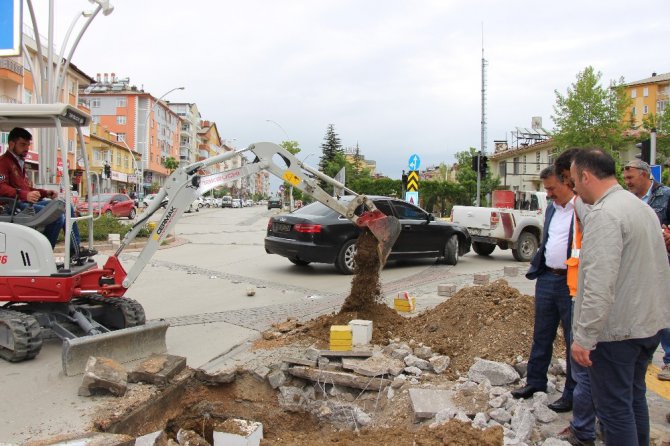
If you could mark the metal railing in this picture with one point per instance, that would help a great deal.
(11, 65)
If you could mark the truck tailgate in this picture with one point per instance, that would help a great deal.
(472, 217)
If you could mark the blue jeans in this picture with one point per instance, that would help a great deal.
(583, 421)
(52, 230)
(553, 305)
(619, 390)
(665, 344)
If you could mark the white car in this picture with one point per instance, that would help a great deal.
(149, 198)
(249, 203)
(237, 203)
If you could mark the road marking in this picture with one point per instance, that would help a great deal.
(661, 388)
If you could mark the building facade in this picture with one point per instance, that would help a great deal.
(190, 127)
(647, 96)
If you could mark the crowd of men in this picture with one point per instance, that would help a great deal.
(603, 273)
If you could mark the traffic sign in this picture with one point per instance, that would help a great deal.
(656, 172)
(414, 162)
(413, 181)
(412, 198)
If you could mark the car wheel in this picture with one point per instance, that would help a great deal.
(526, 247)
(345, 258)
(297, 261)
(483, 249)
(451, 250)
(132, 214)
(109, 213)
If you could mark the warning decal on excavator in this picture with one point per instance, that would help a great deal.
(291, 178)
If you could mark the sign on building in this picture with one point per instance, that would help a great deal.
(10, 27)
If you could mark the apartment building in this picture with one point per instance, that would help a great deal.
(648, 96)
(190, 127)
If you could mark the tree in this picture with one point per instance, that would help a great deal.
(467, 178)
(590, 115)
(170, 163)
(293, 147)
(660, 122)
(332, 158)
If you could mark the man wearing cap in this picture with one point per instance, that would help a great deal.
(637, 176)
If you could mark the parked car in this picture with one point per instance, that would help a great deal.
(248, 203)
(236, 203)
(193, 207)
(316, 233)
(149, 198)
(118, 205)
(227, 201)
(274, 203)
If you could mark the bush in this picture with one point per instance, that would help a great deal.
(104, 226)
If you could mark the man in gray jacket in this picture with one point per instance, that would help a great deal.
(622, 300)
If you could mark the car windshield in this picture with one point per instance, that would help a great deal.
(103, 198)
(315, 209)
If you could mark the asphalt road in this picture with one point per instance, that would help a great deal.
(200, 286)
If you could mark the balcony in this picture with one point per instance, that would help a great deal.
(8, 64)
(7, 100)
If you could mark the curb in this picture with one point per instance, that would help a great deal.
(172, 241)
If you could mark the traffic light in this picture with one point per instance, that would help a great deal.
(475, 162)
(404, 180)
(482, 165)
(645, 150)
(108, 171)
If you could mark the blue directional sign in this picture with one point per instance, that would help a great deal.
(10, 27)
(412, 198)
(414, 162)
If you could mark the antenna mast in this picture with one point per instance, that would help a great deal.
(482, 151)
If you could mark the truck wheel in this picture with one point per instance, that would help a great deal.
(483, 249)
(526, 247)
(21, 336)
(451, 251)
(345, 259)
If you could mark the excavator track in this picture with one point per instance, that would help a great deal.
(23, 335)
(121, 312)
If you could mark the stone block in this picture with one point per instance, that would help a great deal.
(498, 373)
(480, 279)
(260, 373)
(103, 375)
(426, 403)
(276, 378)
(216, 376)
(446, 289)
(439, 363)
(511, 271)
(312, 354)
(243, 433)
(157, 369)
(423, 352)
(361, 332)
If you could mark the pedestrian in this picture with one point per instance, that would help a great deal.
(622, 301)
(553, 304)
(582, 428)
(15, 184)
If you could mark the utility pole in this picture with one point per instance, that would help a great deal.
(482, 151)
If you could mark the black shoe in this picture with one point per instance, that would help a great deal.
(561, 405)
(87, 252)
(568, 435)
(525, 392)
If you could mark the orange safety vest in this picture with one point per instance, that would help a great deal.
(573, 260)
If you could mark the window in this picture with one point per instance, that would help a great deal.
(515, 162)
(121, 102)
(120, 136)
(502, 169)
(632, 111)
(660, 106)
(645, 91)
(633, 93)
(70, 146)
(72, 88)
(645, 110)
(525, 163)
(537, 161)
(406, 211)
(27, 96)
(95, 103)
(121, 119)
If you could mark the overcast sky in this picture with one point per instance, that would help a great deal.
(396, 77)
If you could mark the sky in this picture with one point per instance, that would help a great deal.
(395, 77)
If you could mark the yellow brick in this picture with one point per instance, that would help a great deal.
(403, 305)
(340, 328)
(341, 335)
(341, 348)
(340, 342)
(341, 332)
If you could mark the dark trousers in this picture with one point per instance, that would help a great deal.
(553, 305)
(619, 390)
(52, 230)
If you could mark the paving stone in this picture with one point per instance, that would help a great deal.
(511, 271)
(276, 378)
(497, 373)
(158, 369)
(103, 375)
(426, 403)
(221, 375)
(439, 363)
(480, 279)
(446, 289)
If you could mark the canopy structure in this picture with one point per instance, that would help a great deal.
(41, 116)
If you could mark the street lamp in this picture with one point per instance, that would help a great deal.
(278, 125)
(290, 189)
(146, 143)
(132, 157)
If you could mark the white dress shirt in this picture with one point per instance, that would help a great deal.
(556, 249)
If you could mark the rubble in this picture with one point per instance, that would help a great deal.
(157, 369)
(342, 378)
(103, 375)
(496, 373)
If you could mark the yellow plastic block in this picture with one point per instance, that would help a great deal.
(341, 332)
(341, 348)
(341, 342)
(404, 305)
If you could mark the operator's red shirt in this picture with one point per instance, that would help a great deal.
(13, 179)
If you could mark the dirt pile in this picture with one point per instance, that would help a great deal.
(493, 322)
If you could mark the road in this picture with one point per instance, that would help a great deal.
(200, 286)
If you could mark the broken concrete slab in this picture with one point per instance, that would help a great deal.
(423, 352)
(312, 354)
(372, 366)
(245, 433)
(340, 378)
(426, 403)
(276, 378)
(215, 376)
(157, 369)
(300, 361)
(498, 373)
(415, 361)
(86, 438)
(260, 373)
(103, 375)
(186, 437)
(439, 363)
(347, 354)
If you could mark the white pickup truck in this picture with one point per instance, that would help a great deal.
(515, 222)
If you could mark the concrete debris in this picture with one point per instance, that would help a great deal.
(347, 354)
(158, 369)
(540, 398)
(324, 363)
(439, 363)
(423, 352)
(521, 368)
(522, 423)
(400, 353)
(500, 415)
(216, 376)
(497, 373)
(312, 354)
(246, 433)
(558, 367)
(260, 373)
(342, 414)
(301, 361)
(292, 399)
(426, 403)
(480, 279)
(555, 442)
(158, 438)
(86, 438)
(399, 381)
(543, 414)
(375, 365)
(413, 371)
(480, 421)
(497, 402)
(341, 378)
(414, 361)
(103, 375)
(288, 325)
(186, 437)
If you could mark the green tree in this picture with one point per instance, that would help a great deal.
(589, 115)
(660, 122)
(170, 163)
(467, 178)
(293, 147)
(331, 148)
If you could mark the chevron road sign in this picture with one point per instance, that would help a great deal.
(413, 181)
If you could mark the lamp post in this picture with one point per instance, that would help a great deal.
(146, 144)
(290, 189)
(132, 157)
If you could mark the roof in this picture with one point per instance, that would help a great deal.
(509, 153)
(650, 80)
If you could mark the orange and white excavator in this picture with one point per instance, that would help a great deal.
(85, 304)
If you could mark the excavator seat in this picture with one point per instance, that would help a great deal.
(11, 213)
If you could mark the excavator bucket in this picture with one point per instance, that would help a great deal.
(125, 345)
(385, 229)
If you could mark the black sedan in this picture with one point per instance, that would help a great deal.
(318, 234)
